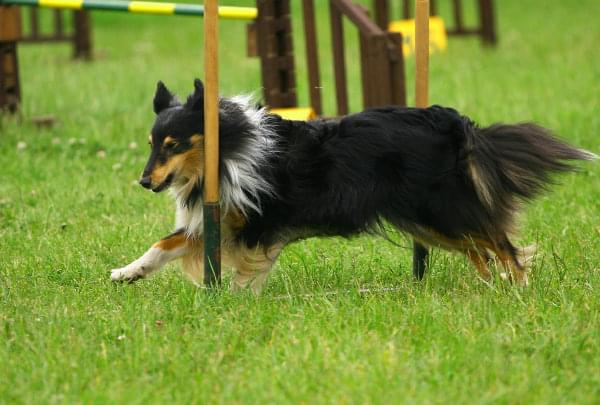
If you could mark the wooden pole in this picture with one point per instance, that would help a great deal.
(312, 55)
(212, 215)
(10, 33)
(82, 37)
(339, 59)
(487, 24)
(420, 252)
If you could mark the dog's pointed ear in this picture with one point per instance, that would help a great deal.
(198, 86)
(163, 98)
(196, 100)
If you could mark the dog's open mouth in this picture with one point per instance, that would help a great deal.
(165, 184)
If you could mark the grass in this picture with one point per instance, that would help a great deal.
(68, 215)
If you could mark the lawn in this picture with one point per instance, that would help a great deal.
(70, 210)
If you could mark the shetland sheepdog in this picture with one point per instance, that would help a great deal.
(429, 172)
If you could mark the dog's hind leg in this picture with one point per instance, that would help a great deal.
(169, 248)
(252, 266)
(508, 256)
(480, 260)
(420, 254)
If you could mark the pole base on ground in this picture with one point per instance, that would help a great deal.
(212, 245)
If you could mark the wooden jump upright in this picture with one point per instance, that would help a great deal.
(212, 212)
(79, 35)
(10, 33)
(420, 252)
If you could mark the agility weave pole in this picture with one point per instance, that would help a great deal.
(420, 252)
(139, 7)
(212, 211)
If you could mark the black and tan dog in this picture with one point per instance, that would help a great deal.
(431, 173)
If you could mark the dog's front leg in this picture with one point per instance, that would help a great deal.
(169, 248)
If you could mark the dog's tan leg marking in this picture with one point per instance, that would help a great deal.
(474, 247)
(515, 271)
(480, 264)
(252, 266)
(171, 242)
(170, 248)
(193, 262)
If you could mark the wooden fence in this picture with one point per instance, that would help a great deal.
(79, 34)
(381, 60)
(10, 30)
(486, 28)
(382, 63)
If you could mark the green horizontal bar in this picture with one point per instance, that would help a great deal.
(105, 5)
(188, 9)
(141, 7)
(32, 3)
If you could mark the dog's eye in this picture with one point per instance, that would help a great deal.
(170, 145)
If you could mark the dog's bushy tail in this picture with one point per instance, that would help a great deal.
(516, 160)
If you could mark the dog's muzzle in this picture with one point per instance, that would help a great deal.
(146, 182)
(164, 185)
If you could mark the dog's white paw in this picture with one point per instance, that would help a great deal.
(128, 273)
(522, 281)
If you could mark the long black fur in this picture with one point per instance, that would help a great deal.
(404, 165)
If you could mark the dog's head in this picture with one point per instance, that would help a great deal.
(177, 140)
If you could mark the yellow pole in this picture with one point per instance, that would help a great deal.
(238, 13)
(212, 216)
(211, 103)
(420, 252)
(422, 53)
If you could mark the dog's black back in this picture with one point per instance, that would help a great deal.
(412, 167)
(341, 177)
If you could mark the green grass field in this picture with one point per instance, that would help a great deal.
(68, 214)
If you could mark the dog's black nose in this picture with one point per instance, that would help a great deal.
(145, 182)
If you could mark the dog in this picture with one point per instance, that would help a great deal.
(429, 172)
